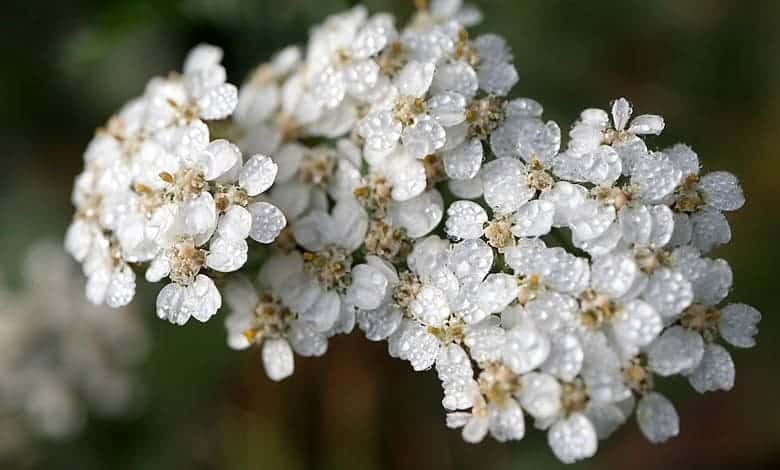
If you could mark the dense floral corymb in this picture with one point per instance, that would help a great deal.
(407, 193)
(158, 193)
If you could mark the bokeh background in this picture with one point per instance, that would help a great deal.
(710, 67)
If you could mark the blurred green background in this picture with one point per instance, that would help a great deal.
(710, 67)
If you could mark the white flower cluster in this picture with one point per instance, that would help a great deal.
(62, 356)
(158, 192)
(560, 284)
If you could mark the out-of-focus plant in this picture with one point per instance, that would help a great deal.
(63, 357)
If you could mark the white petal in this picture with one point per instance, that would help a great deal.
(380, 323)
(378, 31)
(602, 370)
(226, 254)
(465, 220)
(218, 158)
(489, 47)
(573, 438)
(485, 341)
(257, 175)
(201, 299)
(657, 418)
(525, 349)
(527, 139)
(552, 311)
(683, 230)
(288, 157)
(419, 347)
(415, 78)
(424, 137)
(159, 268)
(497, 78)
(235, 223)
(631, 149)
(198, 82)
(300, 292)
(78, 239)
(636, 224)
(715, 371)
(711, 279)
(351, 223)
(506, 421)
(605, 418)
(505, 185)
(600, 166)
(466, 304)
(466, 189)
(567, 198)
(458, 77)
(346, 320)
(738, 325)
(200, 217)
(405, 174)
(277, 359)
(663, 226)
(636, 326)
(621, 112)
(655, 176)
(533, 219)
(420, 214)
(471, 259)
(306, 340)
(668, 292)
(202, 56)
(279, 269)
(169, 301)
(458, 419)
(540, 395)
(185, 141)
(710, 229)
(97, 284)
(121, 288)
(267, 222)
(430, 306)
(476, 428)
(463, 162)
(566, 356)
(324, 313)
(453, 367)
(647, 124)
(380, 130)
(497, 291)
(603, 244)
(368, 287)
(676, 350)
(591, 220)
(240, 295)
(428, 256)
(218, 102)
(328, 87)
(722, 191)
(447, 108)
(614, 275)
(684, 158)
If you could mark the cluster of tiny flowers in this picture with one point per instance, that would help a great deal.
(62, 356)
(428, 208)
(159, 194)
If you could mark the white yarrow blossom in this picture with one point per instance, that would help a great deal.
(547, 278)
(157, 189)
